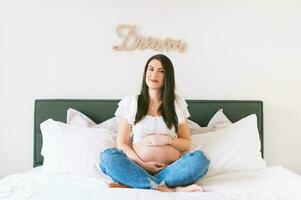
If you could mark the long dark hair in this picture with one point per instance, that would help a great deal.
(167, 108)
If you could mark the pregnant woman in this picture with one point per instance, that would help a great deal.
(153, 140)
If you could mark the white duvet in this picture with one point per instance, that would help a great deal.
(267, 184)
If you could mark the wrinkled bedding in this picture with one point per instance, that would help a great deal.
(268, 184)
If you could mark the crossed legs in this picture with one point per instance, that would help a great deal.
(174, 178)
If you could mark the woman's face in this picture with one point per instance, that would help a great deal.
(154, 74)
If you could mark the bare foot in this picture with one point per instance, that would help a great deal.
(117, 185)
(164, 188)
(189, 188)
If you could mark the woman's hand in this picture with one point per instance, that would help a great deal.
(152, 167)
(157, 140)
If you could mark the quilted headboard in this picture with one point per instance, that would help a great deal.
(99, 110)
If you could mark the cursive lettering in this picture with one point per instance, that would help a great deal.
(132, 41)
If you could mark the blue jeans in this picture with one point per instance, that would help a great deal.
(184, 171)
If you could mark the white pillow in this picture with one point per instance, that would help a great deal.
(234, 148)
(110, 124)
(76, 118)
(193, 126)
(74, 150)
(218, 121)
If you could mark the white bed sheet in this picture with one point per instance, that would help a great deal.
(267, 184)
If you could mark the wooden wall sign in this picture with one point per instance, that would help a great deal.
(132, 40)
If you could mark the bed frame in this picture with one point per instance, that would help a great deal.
(99, 110)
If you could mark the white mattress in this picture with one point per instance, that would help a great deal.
(267, 184)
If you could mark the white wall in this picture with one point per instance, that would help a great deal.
(63, 49)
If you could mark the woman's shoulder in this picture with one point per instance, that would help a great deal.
(127, 108)
(180, 101)
(181, 109)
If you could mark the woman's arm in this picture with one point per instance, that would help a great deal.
(123, 141)
(182, 143)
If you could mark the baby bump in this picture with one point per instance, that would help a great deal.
(165, 154)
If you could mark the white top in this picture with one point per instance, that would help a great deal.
(127, 109)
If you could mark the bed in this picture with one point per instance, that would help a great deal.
(267, 183)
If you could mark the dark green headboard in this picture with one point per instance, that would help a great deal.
(99, 110)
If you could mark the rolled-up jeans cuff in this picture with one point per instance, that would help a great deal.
(154, 185)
